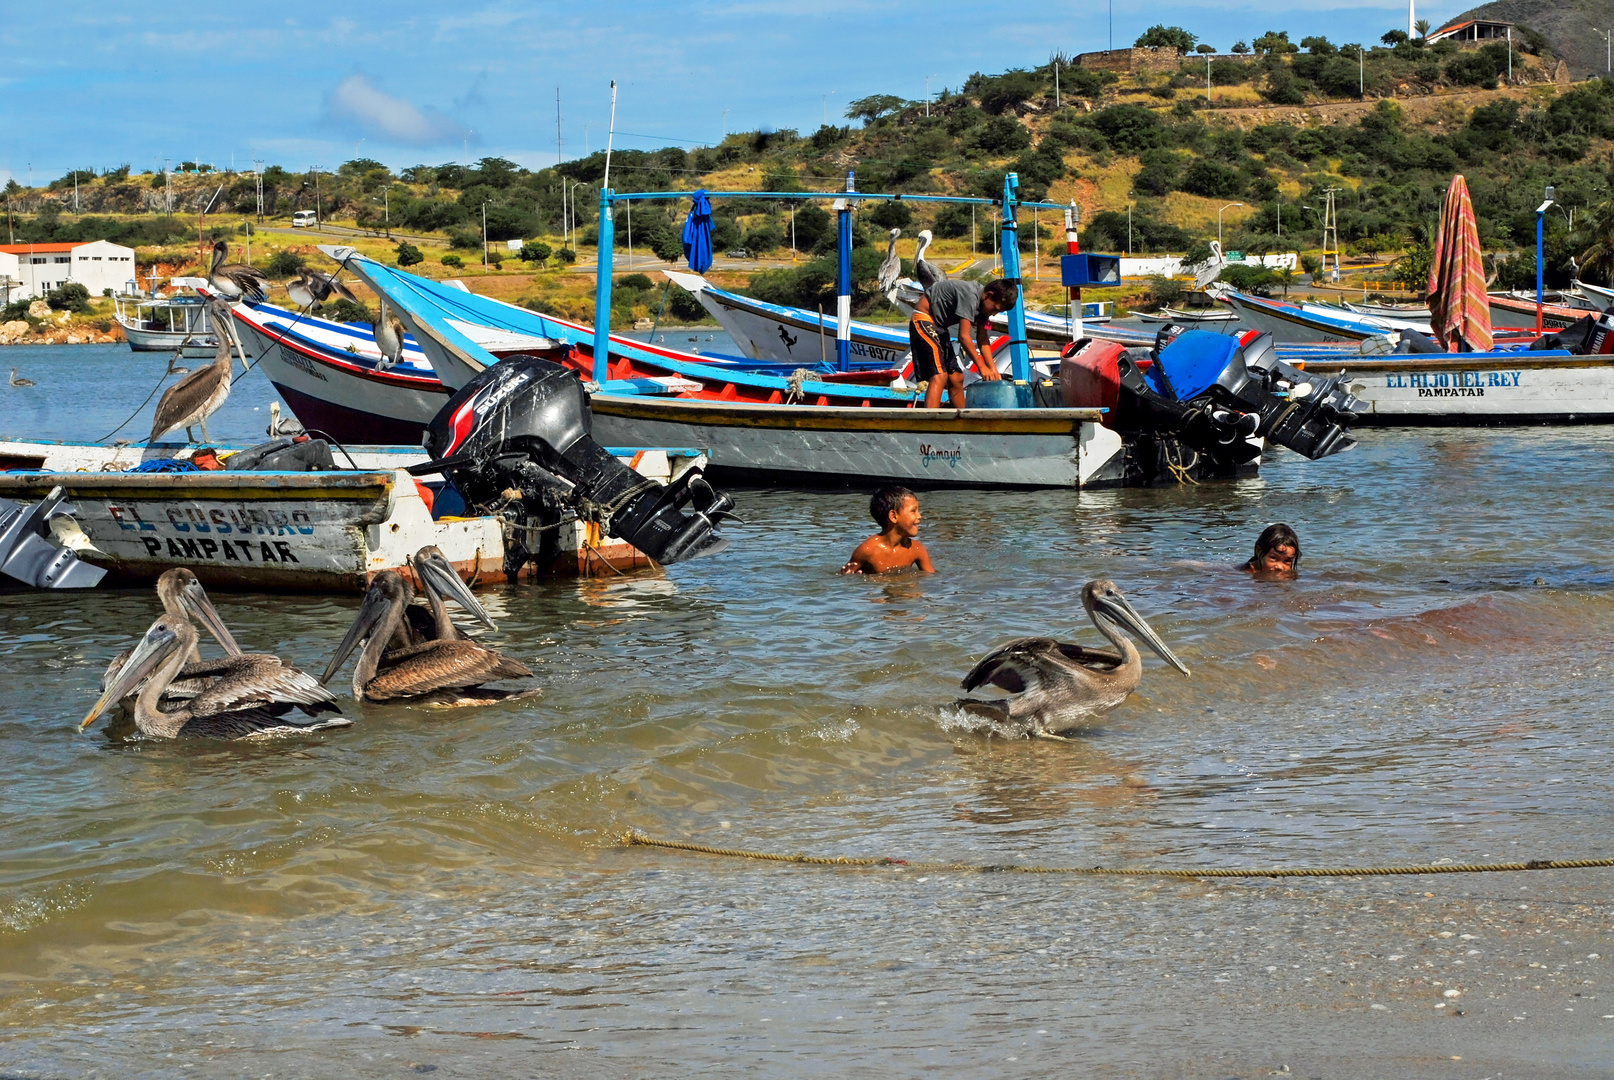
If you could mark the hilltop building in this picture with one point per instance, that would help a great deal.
(1473, 30)
(97, 265)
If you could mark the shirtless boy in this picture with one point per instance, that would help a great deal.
(896, 546)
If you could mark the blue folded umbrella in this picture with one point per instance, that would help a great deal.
(698, 234)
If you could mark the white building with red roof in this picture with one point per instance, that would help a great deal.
(98, 265)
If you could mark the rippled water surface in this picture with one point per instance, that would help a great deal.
(431, 891)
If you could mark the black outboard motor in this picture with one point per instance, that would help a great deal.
(519, 431)
(1217, 392)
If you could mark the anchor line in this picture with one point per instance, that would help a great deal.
(637, 839)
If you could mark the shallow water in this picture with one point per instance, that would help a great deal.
(432, 891)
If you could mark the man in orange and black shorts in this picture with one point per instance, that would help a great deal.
(968, 305)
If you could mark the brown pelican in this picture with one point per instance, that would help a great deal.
(19, 382)
(389, 335)
(235, 281)
(438, 578)
(927, 273)
(891, 269)
(437, 672)
(1058, 687)
(183, 599)
(198, 395)
(245, 696)
(312, 287)
(277, 427)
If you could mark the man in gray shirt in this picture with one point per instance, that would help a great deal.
(968, 305)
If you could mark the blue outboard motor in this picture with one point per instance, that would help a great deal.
(1218, 394)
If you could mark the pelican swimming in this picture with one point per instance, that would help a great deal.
(183, 599)
(244, 697)
(235, 281)
(436, 672)
(312, 287)
(927, 273)
(438, 578)
(389, 335)
(198, 395)
(891, 269)
(19, 382)
(1057, 687)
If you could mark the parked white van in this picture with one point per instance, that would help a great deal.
(304, 219)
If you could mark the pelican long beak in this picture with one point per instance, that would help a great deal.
(153, 649)
(1120, 611)
(194, 599)
(435, 568)
(371, 612)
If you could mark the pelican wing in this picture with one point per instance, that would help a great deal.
(196, 395)
(331, 284)
(1026, 663)
(440, 665)
(258, 681)
(257, 724)
(252, 282)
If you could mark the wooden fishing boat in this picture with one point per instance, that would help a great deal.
(304, 531)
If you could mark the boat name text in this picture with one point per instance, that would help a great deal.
(1456, 380)
(928, 453)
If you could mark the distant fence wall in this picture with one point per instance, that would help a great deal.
(1128, 61)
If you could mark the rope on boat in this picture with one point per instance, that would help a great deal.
(637, 839)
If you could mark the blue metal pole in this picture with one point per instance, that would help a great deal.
(1540, 217)
(602, 291)
(1019, 353)
(843, 280)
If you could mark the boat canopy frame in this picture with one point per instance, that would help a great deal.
(844, 201)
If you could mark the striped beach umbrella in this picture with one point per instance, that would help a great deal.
(1460, 312)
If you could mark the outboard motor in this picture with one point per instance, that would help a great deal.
(519, 431)
(1224, 391)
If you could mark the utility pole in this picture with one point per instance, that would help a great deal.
(1331, 225)
(484, 234)
(1056, 88)
(1608, 46)
(1207, 80)
(168, 187)
(257, 171)
(1361, 70)
(319, 220)
(557, 127)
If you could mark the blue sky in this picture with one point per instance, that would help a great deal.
(303, 84)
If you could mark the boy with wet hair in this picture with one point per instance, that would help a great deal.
(896, 546)
(1277, 553)
(968, 305)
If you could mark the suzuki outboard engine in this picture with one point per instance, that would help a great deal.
(519, 432)
(1219, 392)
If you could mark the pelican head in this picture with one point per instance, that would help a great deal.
(389, 592)
(179, 587)
(1112, 614)
(166, 635)
(437, 573)
(221, 251)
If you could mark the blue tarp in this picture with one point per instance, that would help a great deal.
(698, 234)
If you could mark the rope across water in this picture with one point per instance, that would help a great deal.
(635, 839)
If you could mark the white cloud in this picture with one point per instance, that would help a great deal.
(357, 102)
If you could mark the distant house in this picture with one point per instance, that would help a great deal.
(1472, 30)
(97, 265)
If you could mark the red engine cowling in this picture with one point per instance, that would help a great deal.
(1090, 377)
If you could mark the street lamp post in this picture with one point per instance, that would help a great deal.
(927, 92)
(1129, 228)
(1541, 216)
(1229, 206)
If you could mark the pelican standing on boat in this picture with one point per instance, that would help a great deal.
(927, 273)
(235, 281)
(890, 270)
(278, 427)
(436, 672)
(245, 697)
(1058, 687)
(312, 287)
(389, 335)
(19, 382)
(198, 395)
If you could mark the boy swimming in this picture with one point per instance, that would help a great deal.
(896, 546)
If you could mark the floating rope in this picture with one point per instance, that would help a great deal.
(635, 839)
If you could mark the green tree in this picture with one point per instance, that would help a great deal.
(452, 260)
(536, 251)
(1597, 259)
(1240, 48)
(871, 108)
(1318, 46)
(1422, 26)
(1205, 49)
(409, 254)
(1413, 268)
(1275, 42)
(1165, 37)
(1394, 38)
(284, 264)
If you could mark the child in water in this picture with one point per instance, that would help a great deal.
(896, 547)
(1277, 553)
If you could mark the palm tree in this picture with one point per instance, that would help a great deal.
(1422, 26)
(1598, 229)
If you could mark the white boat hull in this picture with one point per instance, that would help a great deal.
(1448, 390)
(811, 444)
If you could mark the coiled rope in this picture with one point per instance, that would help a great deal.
(636, 839)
